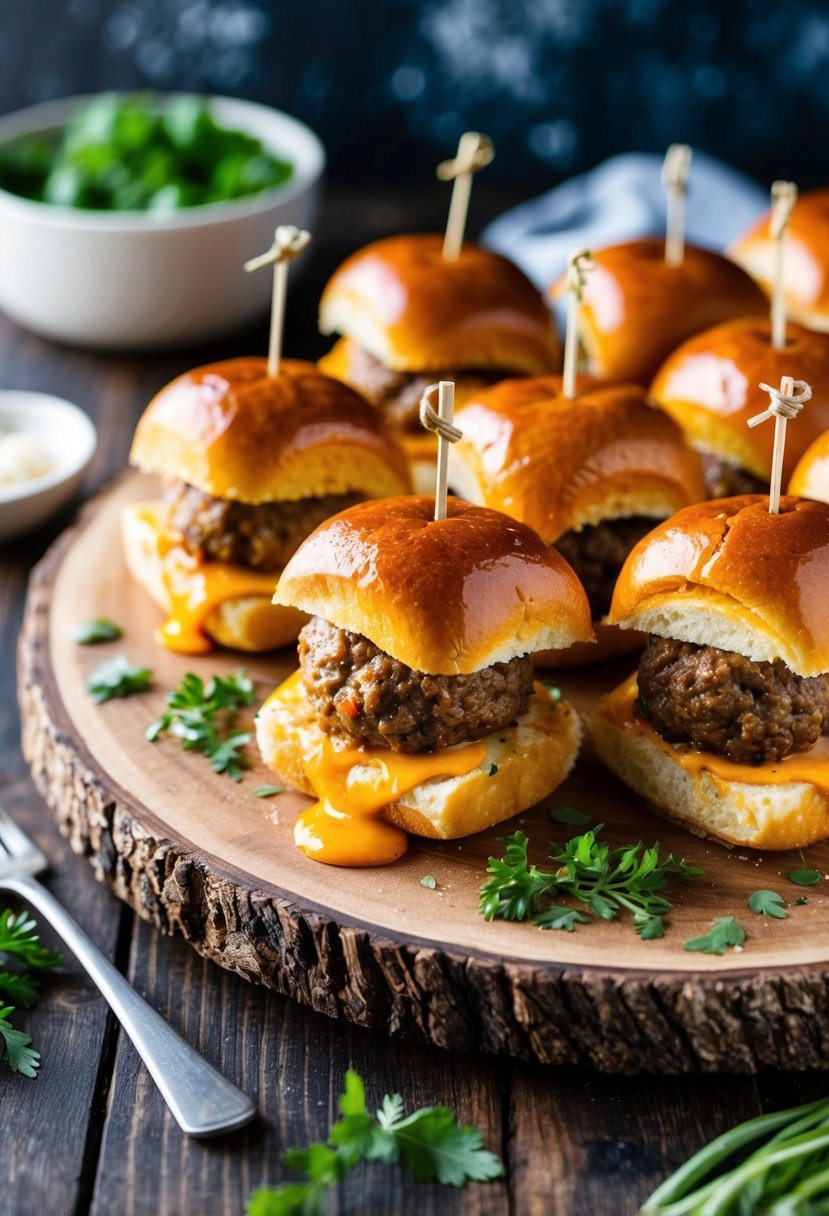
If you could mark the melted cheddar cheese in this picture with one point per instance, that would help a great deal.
(196, 589)
(811, 767)
(356, 784)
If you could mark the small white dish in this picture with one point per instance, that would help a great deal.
(131, 280)
(68, 439)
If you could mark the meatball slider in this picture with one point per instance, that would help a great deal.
(250, 464)
(591, 476)
(410, 317)
(711, 385)
(806, 262)
(414, 708)
(720, 729)
(810, 478)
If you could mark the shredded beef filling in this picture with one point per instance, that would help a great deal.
(260, 535)
(598, 553)
(398, 394)
(724, 480)
(359, 692)
(722, 702)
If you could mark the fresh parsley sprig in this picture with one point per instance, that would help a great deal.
(117, 677)
(203, 717)
(101, 629)
(610, 881)
(430, 1143)
(21, 952)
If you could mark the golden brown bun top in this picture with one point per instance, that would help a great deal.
(711, 386)
(637, 308)
(403, 303)
(810, 478)
(235, 432)
(727, 573)
(559, 465)
(443, 597)
(805, 257)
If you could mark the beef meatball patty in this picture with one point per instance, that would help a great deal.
(724, 479)
(359, 692)
(262, 535)
(398, 394)
(598, 553)
(719, 701)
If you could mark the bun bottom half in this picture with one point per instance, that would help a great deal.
(248, 622)
(531, 759)
(759, 815)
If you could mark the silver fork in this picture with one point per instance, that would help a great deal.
(202, 1101)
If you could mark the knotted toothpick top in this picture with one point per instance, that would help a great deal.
(675, 171)
(440, 423)
(785, 404)
(475, 151)
(288, 242)
(579, 264)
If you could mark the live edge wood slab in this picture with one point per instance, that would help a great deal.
(197, 855)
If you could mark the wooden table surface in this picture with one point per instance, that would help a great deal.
(92, 1134)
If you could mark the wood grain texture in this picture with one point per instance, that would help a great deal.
(196, 855)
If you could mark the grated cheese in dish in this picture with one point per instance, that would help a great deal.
(22, 458)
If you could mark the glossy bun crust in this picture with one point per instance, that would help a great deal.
(235, 432)
(637, 309)
(805, 259)
(811, 476)
(447, 597)
(711, 386)
(559, 465)
(401, 302)
(726, 573)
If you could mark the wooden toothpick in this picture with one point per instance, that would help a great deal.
(288, 241)
(441, 424)
(475, 151)
(675, 170)
(783, 199)
(579, 265)
(786, 403)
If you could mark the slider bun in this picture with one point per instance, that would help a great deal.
(235, 432)
(752, 814)
(805, 259)
(637, 309)
(811, 476)
(446, 597)
(250, 622)
(532, 759)
(728, 574)
(559, 465)
(400, 301)
(711, 386)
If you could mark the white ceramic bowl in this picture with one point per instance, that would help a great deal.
(130, 280)
(67, 437)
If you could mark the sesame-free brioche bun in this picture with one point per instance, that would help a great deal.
(235, 432)
(560, 465)
(710, 796)
(401, 301)
(524, 763)
(637, 309)
(805, 259)
(726, 573)
(246, 621)
(445, 597)
(810, 478)
(711, 386)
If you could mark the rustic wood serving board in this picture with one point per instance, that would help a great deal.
(198, 855)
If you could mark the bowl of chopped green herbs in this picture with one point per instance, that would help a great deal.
(125, 219)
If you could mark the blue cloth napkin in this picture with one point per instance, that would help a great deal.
(620, 200)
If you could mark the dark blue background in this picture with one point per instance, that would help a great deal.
(560, 84)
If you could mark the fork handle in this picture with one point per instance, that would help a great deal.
(202, 1101)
